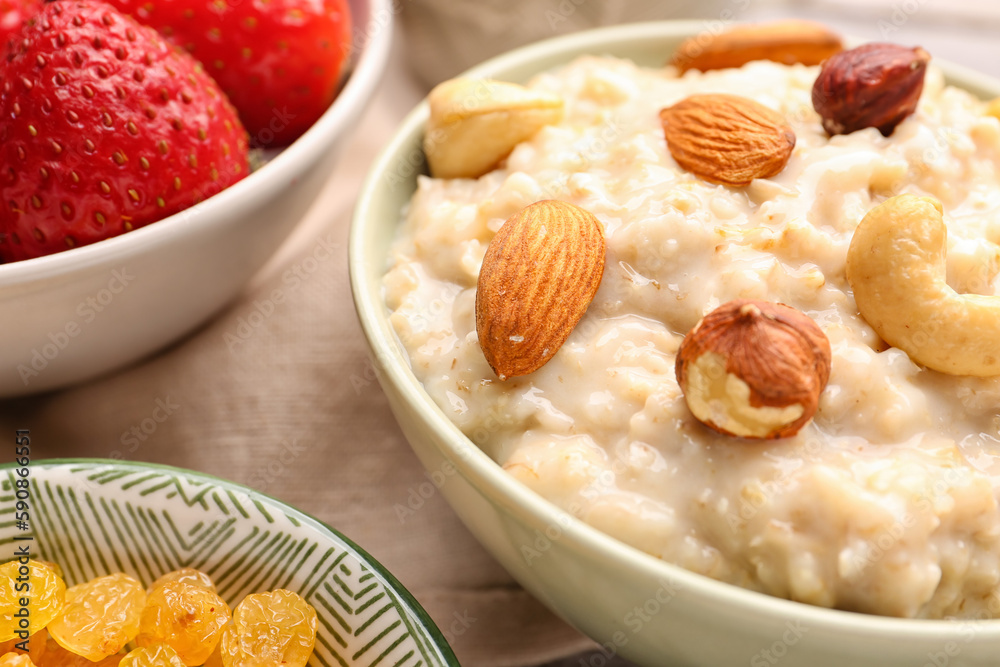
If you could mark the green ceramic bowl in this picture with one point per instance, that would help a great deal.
(95, 517)
(635, 605)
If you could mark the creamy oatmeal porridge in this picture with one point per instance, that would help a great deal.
(887, 501)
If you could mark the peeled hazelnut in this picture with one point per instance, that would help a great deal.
(754, 369)
(873, 85)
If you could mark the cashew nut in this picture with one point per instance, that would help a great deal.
(993, 108)
(897, 267)
(474, 124)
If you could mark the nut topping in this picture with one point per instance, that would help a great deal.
(754, 369)
(787, 42)
(874, 85)
(993, 108)
(539, 274)
(727, 139)
(475, 124)
(897, 268)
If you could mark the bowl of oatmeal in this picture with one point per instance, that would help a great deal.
(870, 535)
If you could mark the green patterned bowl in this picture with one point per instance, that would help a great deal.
(95, 517)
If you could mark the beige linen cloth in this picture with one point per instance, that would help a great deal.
(281, 397)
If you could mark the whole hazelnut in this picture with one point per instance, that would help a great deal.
(873, 85)
(754, 369)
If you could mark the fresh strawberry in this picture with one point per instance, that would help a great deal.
(13, 15)
(279, 61)
(105, 127)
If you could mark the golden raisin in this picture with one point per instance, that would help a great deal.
(56, 656)
(35, 645)
(154, 656)
(276, 628)
(184, 616)
(16, 660)
(54, 567)
(215, 660)
(100, 616)
(188, 575)
(39, 586)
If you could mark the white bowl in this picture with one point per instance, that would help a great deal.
(645, 609)
(76, 314)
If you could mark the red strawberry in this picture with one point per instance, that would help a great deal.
(13, 15)
(279, 61)
(105, 128)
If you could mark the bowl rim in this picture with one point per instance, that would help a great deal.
(484, 474)
(430, 628)
(251, 192)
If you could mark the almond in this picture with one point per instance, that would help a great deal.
(538, 277)
(727, 139)
(786, 42)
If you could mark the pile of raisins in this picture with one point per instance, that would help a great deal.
(179, 621)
